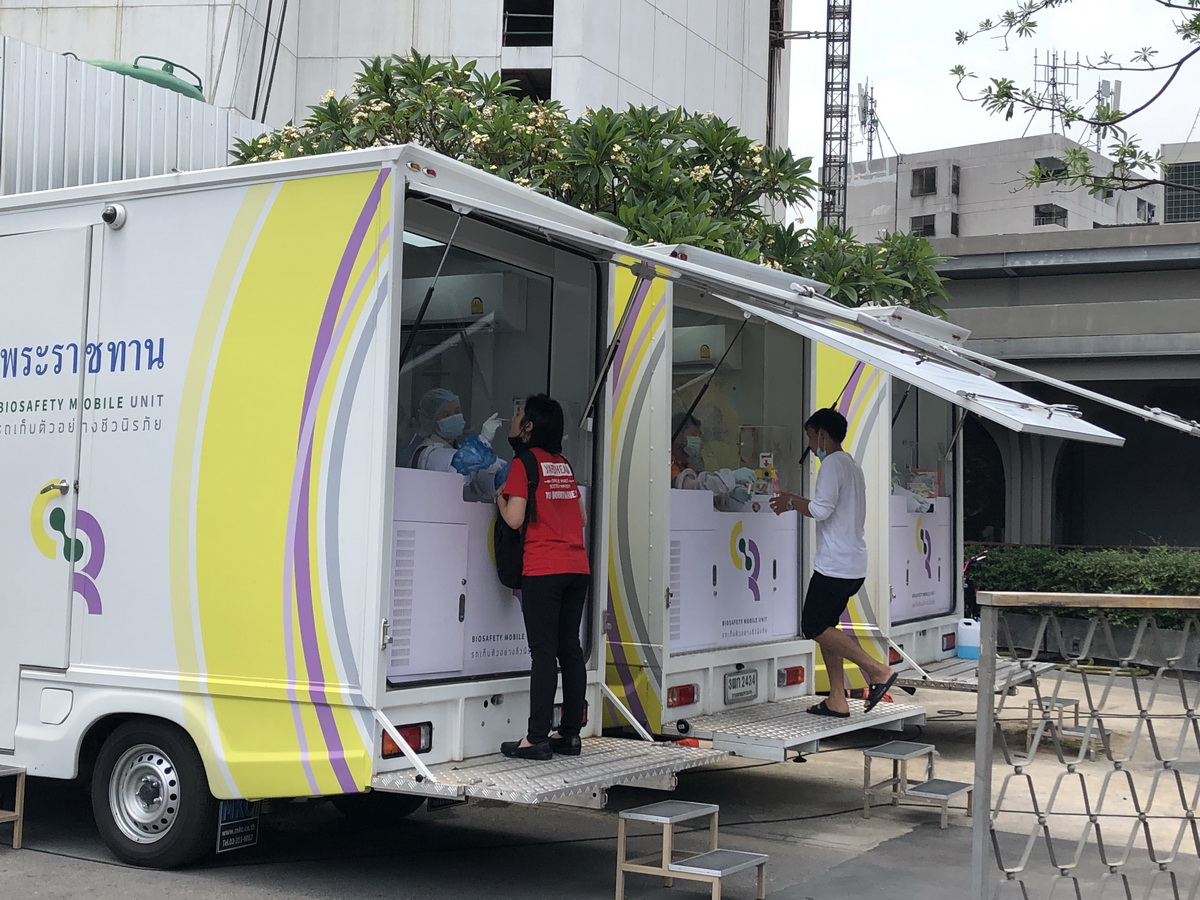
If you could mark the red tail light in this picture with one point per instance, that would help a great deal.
(790, 676)
(949, 640)
(893, 656)
(419, 737)
(682, 695)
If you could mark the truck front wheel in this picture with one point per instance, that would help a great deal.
(150, 797)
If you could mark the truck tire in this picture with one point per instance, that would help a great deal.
(150, 797)
(377, 807)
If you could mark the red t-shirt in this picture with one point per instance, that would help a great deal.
(554, 541)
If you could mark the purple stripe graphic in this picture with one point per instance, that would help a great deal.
(297, 558)
(86, 522)
(637, 302)
(625, 670)
(86, 588)
(644, 337)
(340, 280)
(863, 396)
(850, 388)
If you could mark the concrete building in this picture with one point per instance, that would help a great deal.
(1116, 310)
(1183, 171)
(270, 60)
(979, 190)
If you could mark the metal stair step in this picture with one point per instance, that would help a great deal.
(718, 863)
(938, 789)
(669, 812)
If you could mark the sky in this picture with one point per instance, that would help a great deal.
(906, 50)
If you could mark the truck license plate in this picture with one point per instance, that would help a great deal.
(741, 686)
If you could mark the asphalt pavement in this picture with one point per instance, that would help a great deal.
(806, 817)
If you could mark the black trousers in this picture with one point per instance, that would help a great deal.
(553, 607)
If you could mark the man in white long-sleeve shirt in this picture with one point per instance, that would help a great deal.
(839, 506)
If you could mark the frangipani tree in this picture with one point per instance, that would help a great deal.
(668, 176)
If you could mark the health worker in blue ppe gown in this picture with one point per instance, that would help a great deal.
(442, 442)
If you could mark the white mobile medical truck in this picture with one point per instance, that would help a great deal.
(219, 579)
(704, 603)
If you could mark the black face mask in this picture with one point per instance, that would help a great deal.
(516, 443)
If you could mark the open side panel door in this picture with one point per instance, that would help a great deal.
(48, 552)
(967, 389)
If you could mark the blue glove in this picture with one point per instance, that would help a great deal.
(745, 476)
(501, 476)
(740, 494)
(473, 456)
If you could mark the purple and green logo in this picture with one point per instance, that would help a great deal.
(925, 545)
(84, 550)
(746, 558)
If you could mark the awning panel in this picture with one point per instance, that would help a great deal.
(996, 402)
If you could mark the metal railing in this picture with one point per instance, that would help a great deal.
(1097, 789)
(528, 29)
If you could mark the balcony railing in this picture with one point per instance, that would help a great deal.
(528, 29)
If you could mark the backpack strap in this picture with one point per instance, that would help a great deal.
(529, 461)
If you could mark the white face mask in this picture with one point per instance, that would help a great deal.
(452, 427)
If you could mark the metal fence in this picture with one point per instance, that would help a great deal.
(64, 122)
(1093, 782)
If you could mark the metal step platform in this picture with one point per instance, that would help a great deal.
(574, 780)
(963, 674)
(771, 730)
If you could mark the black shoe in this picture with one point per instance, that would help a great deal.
(567, 746)
(514, 750)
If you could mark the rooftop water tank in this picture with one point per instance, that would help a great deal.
(164, 77)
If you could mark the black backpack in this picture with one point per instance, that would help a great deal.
(509, 543)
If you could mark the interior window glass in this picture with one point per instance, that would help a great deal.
(921, 506)
(508, 317)
(734, 562)
(482, 344)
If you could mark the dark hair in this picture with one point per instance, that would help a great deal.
(681, 421)
(546, 416)
(830, 421)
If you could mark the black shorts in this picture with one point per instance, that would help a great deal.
(825, 601)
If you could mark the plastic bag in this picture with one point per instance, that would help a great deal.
(473, 456)
(501, 476)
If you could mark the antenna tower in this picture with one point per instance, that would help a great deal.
(1108, 94)
(868, 120)
(1055, 80)
(837, 111)
(835, 162)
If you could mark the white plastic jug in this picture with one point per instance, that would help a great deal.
(967, 642)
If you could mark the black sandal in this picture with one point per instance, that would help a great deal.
(822, 709)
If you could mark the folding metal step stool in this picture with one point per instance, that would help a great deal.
(935, 791)
(709, 867)
(16, 815)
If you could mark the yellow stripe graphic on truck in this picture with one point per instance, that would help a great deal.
(250, 585)
(856, 390)
(634, 665)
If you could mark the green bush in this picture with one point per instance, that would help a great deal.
(1152, 571)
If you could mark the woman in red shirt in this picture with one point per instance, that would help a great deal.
(555, 578)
